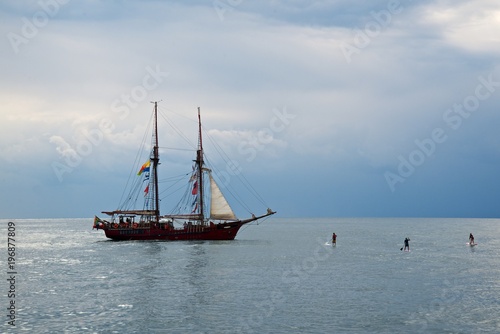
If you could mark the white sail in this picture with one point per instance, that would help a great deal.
(219, 207)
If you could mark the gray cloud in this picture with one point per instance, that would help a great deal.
(353, 120)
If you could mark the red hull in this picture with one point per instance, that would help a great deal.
(226, 231)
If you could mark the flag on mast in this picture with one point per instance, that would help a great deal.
(145, 167)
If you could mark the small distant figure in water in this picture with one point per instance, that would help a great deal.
(471, 239)
(407, 244)
(334, 239)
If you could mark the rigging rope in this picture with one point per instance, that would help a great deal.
(185, 204)
(239, 176)
(132, 176)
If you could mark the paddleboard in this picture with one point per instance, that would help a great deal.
(472, 245)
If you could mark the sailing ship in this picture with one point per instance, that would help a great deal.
(218, 222)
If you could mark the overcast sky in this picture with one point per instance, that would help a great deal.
(330, 108)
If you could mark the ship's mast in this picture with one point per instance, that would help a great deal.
(199, 163)
(156, 160)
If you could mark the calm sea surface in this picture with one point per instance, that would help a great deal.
(281, 276)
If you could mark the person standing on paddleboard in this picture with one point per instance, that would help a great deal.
(334, 239)
(407, 244)
(471, 239)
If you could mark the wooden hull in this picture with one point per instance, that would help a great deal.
(225, 231)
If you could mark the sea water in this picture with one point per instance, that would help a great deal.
(280, 276)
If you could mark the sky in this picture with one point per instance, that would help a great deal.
(340, 108)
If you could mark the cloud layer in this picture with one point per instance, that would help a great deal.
(330, 108)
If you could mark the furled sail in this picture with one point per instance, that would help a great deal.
(219, 207)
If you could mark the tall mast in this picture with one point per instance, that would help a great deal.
(199, 163)
(156, 160)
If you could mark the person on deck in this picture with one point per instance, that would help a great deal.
(334, 239)
(471, 239)
(407, 244)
